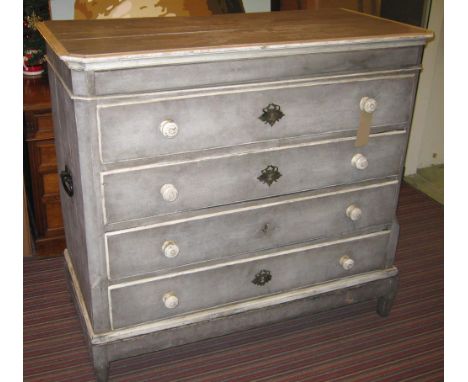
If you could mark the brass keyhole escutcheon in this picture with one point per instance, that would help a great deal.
(269, 175)
(262, 277)
(271, 114)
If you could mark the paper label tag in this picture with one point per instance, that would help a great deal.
(362, 136)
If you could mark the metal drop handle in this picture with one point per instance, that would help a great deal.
(67, 181)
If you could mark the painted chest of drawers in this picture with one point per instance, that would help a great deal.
(226, 172)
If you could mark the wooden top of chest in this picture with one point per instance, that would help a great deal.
(96, 40)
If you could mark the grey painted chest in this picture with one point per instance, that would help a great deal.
(223, 173)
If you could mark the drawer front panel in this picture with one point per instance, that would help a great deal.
(264, 226)
(134, 194)
(206, 288)
(149, 79)
(133, 131)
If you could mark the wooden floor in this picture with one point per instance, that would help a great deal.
(346, 344)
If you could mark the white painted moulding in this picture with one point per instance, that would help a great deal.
(135, 60)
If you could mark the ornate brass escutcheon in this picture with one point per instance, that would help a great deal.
(67, 181)
(271, 114)
(262, 277)
(269, 175)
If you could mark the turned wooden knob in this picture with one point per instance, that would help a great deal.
(354, 212)
(368, 104)
(360, 162)
(169, 128)
(346, 262)
(170, 249)
(170, 300)
(169, 192)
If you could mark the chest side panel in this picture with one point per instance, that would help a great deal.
(66, 145)
(78, 162)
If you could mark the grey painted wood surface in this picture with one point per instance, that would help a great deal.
(136, 252)
(144, 302)
(72, 207)
(108, 133)
(116, 348)
(209, 119)
(88, 148)
(74, 127)
(77, 82)
(127, 81)
(254, 318)
(136, 194)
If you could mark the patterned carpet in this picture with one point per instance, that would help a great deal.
(346, 344)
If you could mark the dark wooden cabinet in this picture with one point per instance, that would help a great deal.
(41, 169)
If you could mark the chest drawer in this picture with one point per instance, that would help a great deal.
(204, 74)
(163, 189)
(263, 274)
(229, 117)
(279, 222)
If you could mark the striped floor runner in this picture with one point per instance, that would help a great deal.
(346, 344)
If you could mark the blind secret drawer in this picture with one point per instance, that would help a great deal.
(135, 193)
(264, 273)
(219, 117)
(224, 232)
(203, 74)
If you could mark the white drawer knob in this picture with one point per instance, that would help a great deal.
(169, 128)
(169, 192)
(368, 104)
(346, 262)
(170, 249)
(353, 212)
(170, 300)
(360, 162)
